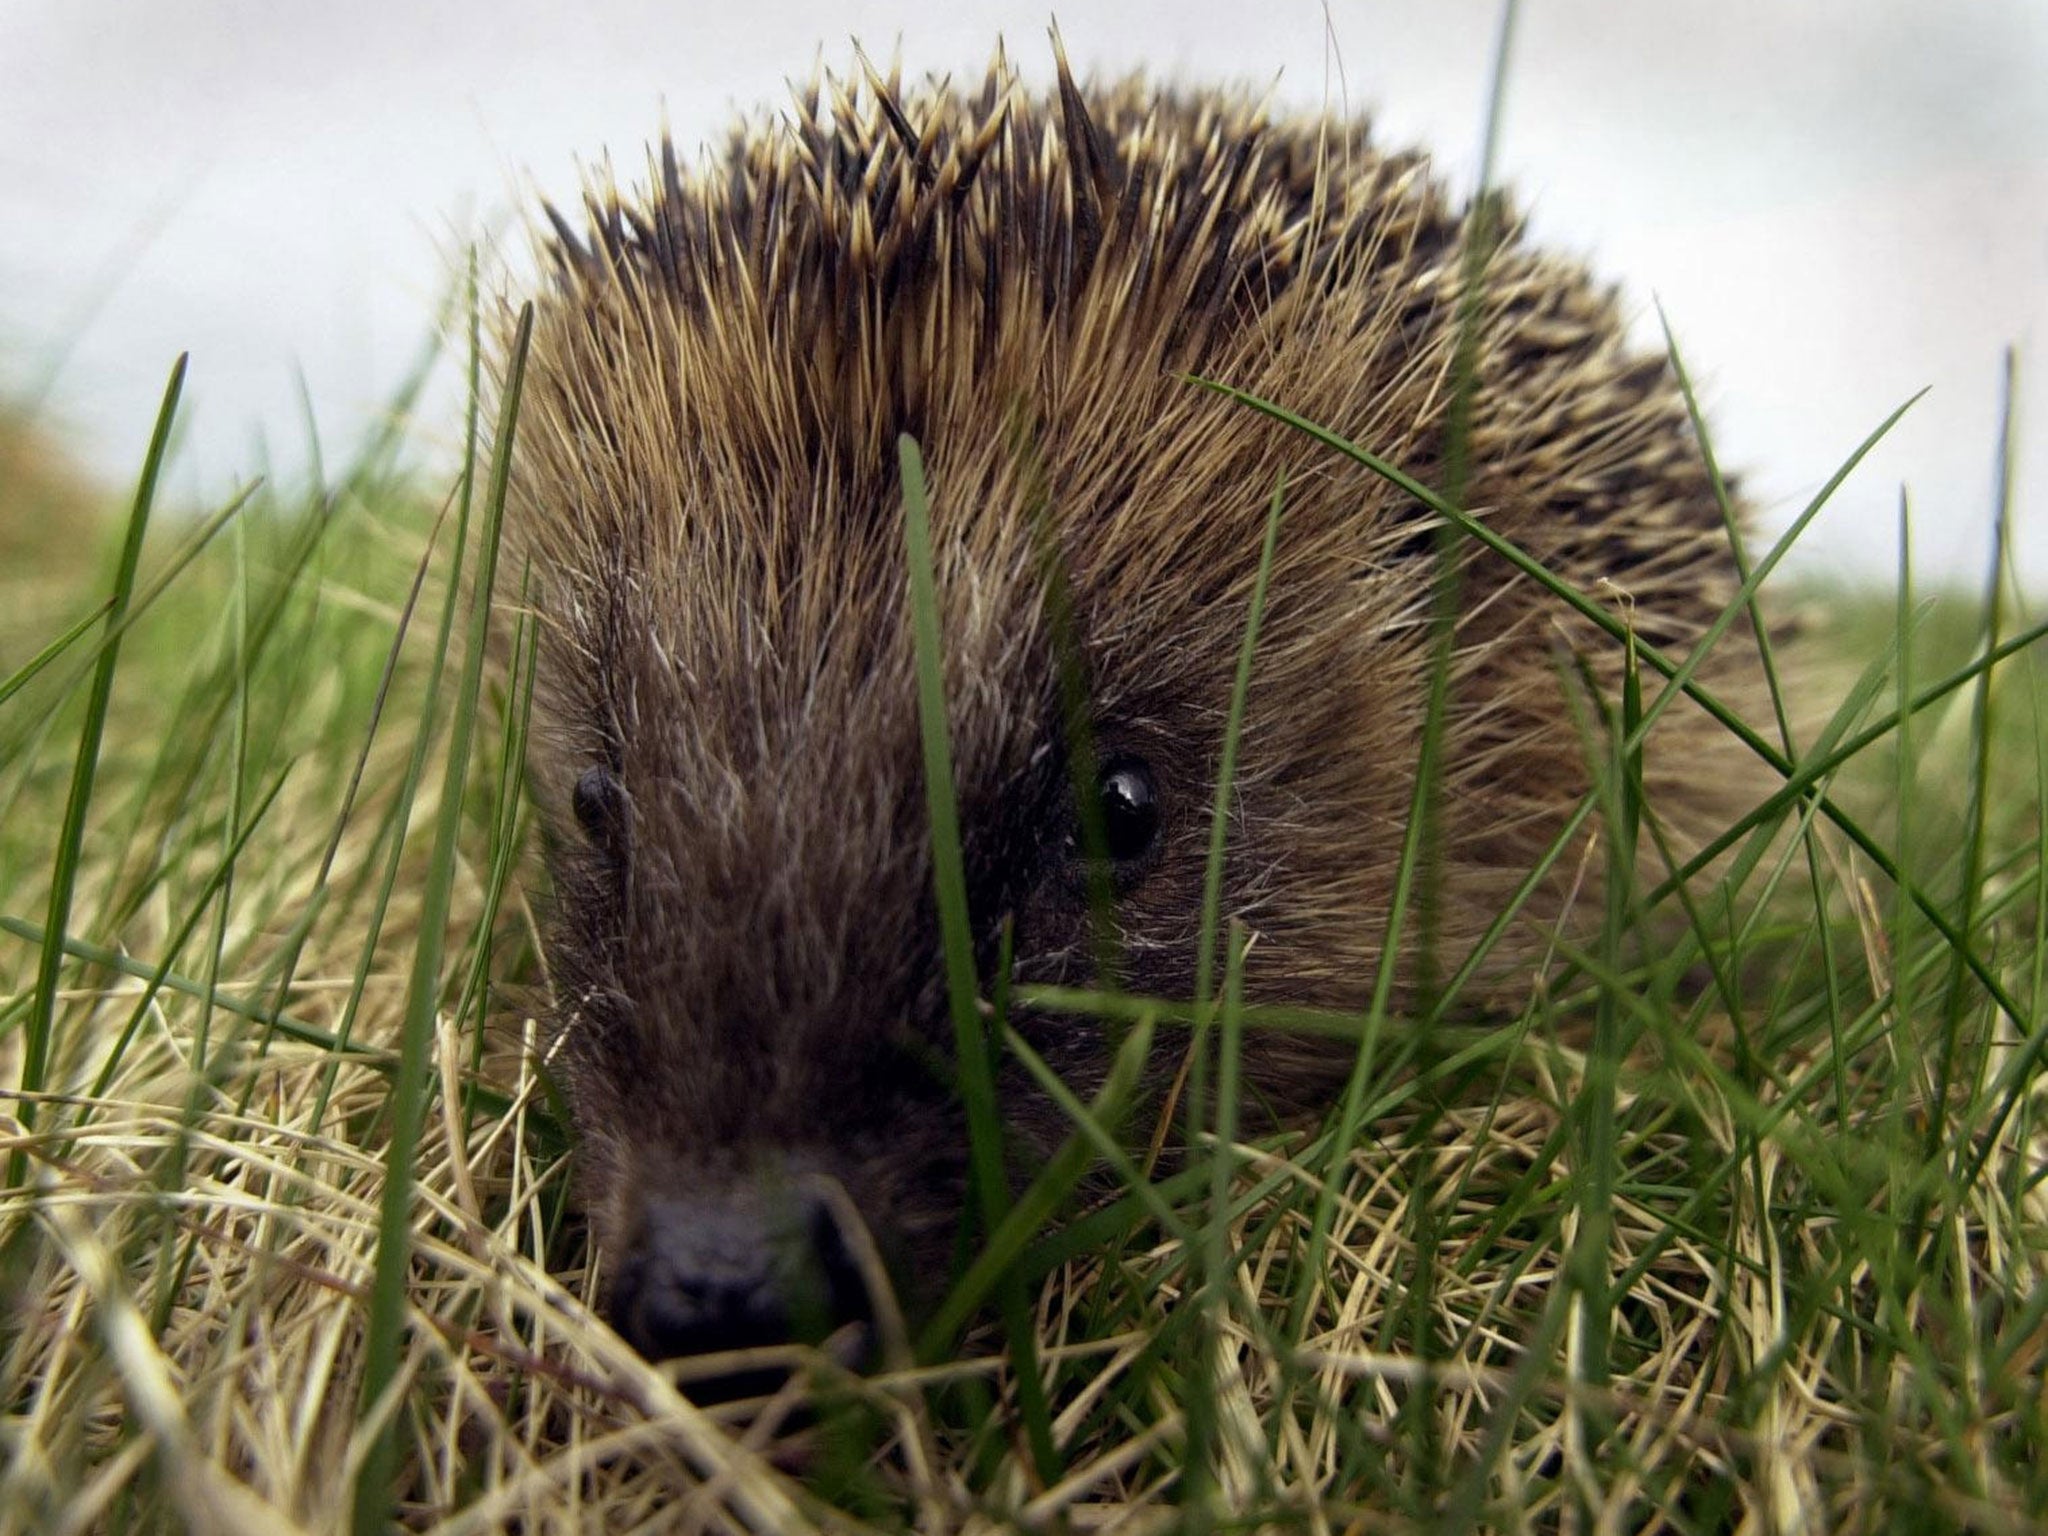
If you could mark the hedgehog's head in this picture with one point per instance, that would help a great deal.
(753, 1022)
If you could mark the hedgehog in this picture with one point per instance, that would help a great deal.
(750, 1015)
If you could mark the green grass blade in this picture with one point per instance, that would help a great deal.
(42, 1020)
(949, 878)
(1970, 889)
(1774, 686)
(1201, 1393)
(971, 1043)
(384, 1332)
(1973, 1146)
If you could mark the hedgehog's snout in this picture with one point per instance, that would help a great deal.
(756, 1264)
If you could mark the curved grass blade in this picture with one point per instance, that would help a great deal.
(42, 1019)
(949, 878)
(386, 1326)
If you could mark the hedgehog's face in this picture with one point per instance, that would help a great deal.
(756, 1033)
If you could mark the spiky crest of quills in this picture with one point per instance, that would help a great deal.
(1185, 206)
(898, 204)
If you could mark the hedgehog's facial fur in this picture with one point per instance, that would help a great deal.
(726, 739)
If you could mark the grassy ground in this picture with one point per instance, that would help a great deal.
(1742, 1232)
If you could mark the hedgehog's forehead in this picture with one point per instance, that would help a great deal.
(696, 645)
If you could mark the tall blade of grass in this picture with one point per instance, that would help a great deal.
(309, 420)
(1955, 997)
(1588, 1260)
(505, 837)
(1201, 1397)
(1732, 525)
(1481, 237)
(175, 1258)
(1199, 1478)
(1773, 684)
(956, 931)
(1226, 767)
(977, 1082)
(1973, 1145)
(1896, 1275)
(42, 1020)
(384, 1332)
(1897, 1351)
(2038, 970)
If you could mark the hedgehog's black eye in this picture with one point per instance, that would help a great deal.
(1130, 808)
(599, 802)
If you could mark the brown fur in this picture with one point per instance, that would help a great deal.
(706, 486)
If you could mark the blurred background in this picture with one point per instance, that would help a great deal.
(1837, 202)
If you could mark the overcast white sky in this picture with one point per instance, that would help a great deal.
(1837, 201)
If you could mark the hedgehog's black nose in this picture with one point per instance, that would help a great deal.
(735, 1271)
